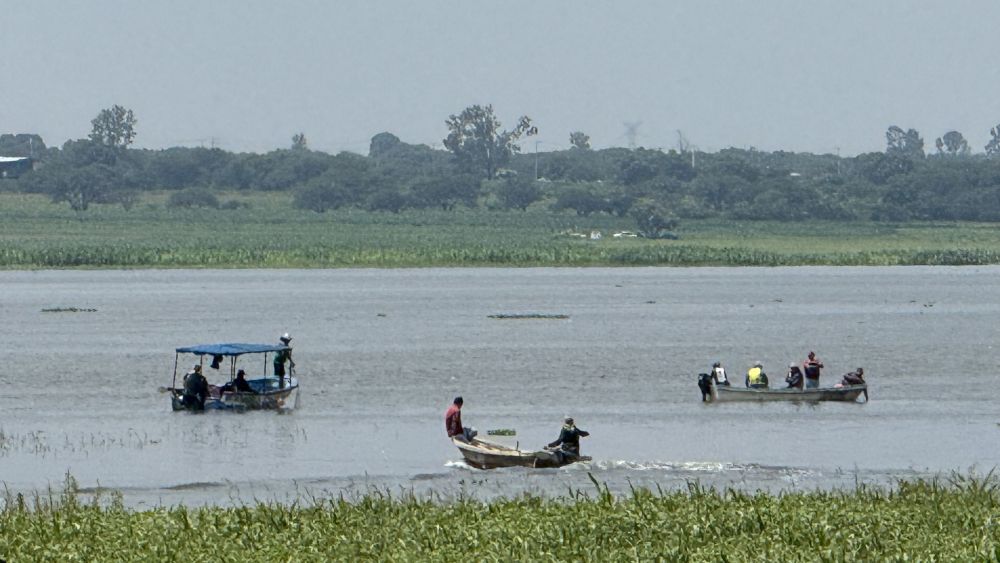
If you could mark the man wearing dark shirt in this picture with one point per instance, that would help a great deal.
(569, 439)
(195, 389)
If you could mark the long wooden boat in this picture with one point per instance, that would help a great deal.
(845, 393)
(490, 455)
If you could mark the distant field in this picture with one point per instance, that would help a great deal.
(270, 233)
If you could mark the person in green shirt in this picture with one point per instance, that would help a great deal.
(280, 358)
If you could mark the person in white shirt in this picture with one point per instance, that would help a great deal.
(719, 374)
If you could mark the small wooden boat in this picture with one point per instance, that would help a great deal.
(267, 392)
(490, 455)
(845, 393)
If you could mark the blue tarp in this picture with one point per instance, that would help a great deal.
(231, 349)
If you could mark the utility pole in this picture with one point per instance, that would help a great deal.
(683, 145)
(536, 159)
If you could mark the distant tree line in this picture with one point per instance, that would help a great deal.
(483, 167)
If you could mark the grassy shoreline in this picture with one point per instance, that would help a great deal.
(922, 520)
(270, 233)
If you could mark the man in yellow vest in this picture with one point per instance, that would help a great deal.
(756, 378)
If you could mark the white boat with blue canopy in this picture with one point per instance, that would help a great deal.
(264, 390)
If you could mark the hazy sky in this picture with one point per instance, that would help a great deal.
(798, 75)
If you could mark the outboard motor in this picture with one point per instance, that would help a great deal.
(705, 384)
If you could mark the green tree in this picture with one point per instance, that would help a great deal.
(993, 147)
(383, 144)
(86, 173)
(22, 144)
(299, 142)
(581, 200)
(387, 199)
(907, 144)
(518, 193)
(579, 140)
(653, 220)
(878, 168)
(446, 192)
(478, 143)
(193, 197)
(952, 143)
(114, 127)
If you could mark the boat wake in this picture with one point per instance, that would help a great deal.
(697, 467)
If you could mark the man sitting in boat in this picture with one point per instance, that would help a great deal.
(569, 440)
(756, 378)
(195, 389)
(719, 374)
(238, 385)
(794, 377)
(453, 422)
(856, 377)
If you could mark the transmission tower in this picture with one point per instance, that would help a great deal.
(685, 146)
(631, 132)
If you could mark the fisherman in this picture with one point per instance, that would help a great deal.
(705, 384)
(719, 374)
(856, 377)
(282, 356)
(812, 367)
(453, 422)
(239, 385)
(794, 377)
(756, 378)
(195, 389)
(568, 441)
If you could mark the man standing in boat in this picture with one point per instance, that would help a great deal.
(453, 422)
(569, 440)
(812, 367)
(282, 356)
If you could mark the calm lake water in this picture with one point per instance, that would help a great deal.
(381, 353)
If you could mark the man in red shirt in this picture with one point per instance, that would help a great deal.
(812, 366)
(453, 422)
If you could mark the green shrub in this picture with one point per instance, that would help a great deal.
(193, 197)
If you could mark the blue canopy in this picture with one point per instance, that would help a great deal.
(231, 349)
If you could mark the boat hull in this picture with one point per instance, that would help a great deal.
(270, 397)
(488, 455)
(847, 393)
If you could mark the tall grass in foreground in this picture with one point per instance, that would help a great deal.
(921, 520)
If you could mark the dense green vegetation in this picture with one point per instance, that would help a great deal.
(266, 230)
(483, 202)
(483, 168)
(925, 521)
